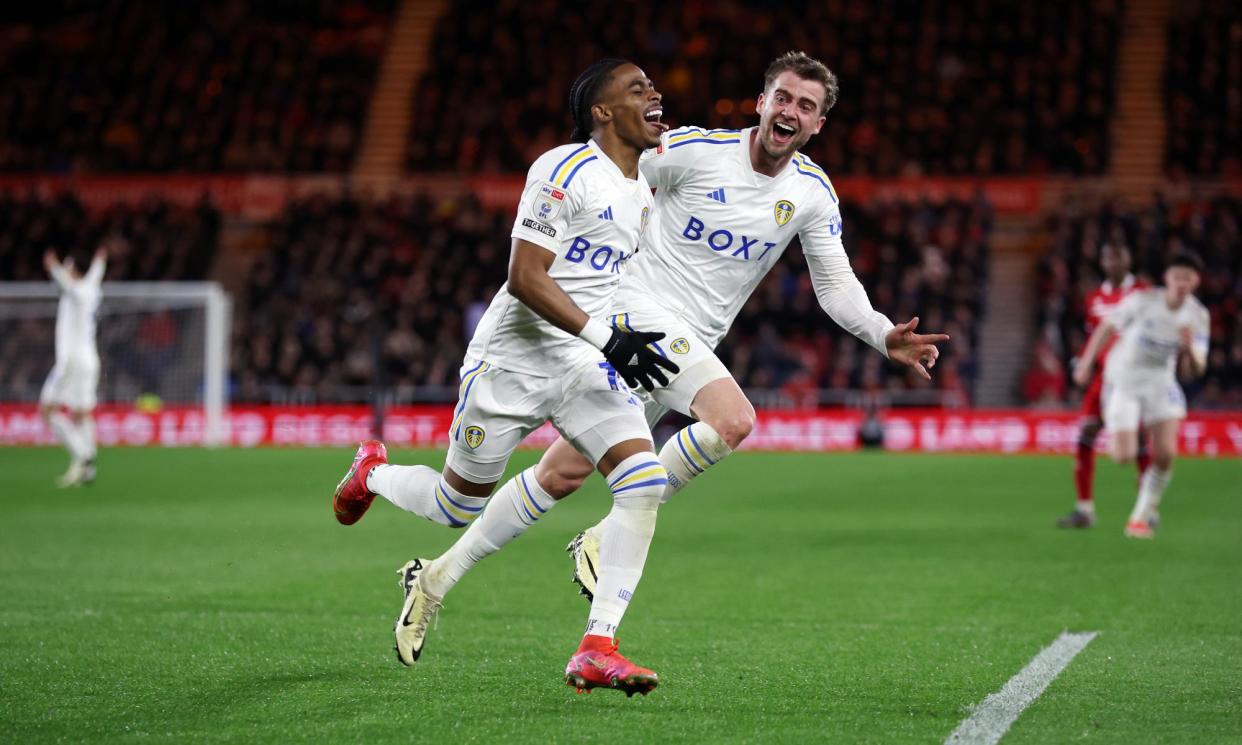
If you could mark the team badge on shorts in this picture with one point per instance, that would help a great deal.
(680, 345)
(784, 212)
(474, 436)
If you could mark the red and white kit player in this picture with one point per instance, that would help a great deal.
(1118, 283)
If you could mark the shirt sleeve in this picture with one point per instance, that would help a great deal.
(60, 275)
(668, 164)
(1123, 315)
(95, 274)
(545, 209)
(840, 293)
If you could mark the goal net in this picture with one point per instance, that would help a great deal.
(160, 343)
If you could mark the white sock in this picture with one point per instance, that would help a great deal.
(68, 435)
(86, 435)
(690, 452)
(424, 492)
(514, 508)
(637, 484)
(1151, 489)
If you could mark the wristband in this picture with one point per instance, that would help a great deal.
(595, 333)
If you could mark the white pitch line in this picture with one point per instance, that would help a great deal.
(992, 718)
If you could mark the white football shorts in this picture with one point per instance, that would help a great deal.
(1127, 406)
(696, 358)
(72, 384)
(590, 405)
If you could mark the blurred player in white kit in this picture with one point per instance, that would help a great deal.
(1156, 326)
(67, 401)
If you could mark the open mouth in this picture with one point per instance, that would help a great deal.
(652, 117)
(783, 133)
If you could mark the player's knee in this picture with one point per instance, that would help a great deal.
(1090, 429)
(736, 425)
(1163, 461)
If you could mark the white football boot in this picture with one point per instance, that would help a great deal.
(584, 549)
(416, 613)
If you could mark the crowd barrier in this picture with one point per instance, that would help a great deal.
(1211, 434)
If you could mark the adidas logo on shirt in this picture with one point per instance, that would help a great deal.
(606, 214)
(718, 195)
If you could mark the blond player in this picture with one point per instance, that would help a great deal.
(1155, 326)
(67, 401)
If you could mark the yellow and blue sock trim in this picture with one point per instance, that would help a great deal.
(458, 514)
(647, 473)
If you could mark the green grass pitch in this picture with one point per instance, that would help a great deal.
(195, 595)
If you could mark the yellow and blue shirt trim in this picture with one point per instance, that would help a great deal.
(690, 135)
(803, 165)
(565, 171)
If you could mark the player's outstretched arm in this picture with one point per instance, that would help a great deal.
(915, 350)
(1086, 361)
(56, 270)
(628, 353)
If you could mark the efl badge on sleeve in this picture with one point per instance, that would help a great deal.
(784, 212)
(548, 202)
(642, 220)
(474, 436)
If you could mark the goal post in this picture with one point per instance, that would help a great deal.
(165, 342)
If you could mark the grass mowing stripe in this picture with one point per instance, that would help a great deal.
(996, 714)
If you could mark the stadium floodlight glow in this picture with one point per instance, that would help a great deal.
(164, 342)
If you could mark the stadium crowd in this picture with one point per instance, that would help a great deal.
(351, 289)
(926, 87)
(1069, 270)
(261, 85)
(1203, 87)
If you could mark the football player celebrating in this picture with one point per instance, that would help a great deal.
(1156, 326)
(536, 356)
(1118, 283)
(72, 384)
(728, 203)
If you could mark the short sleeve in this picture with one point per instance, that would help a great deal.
(545, 209)
(1123, 315)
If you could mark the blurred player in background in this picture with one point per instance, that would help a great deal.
(71, 386)
(1118, 283)
(536, 356)
(1156, 326)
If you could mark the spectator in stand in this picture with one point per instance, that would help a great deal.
(262, 85)
(1203, 87)
(939, 88)
(1045, 384)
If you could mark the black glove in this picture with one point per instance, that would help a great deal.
(638, 364)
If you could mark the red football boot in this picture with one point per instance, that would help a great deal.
(597, 664)
(352, 498)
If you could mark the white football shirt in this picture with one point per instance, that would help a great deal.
(75, 313)
(578, 205)
(1150, 337)
(718, 227)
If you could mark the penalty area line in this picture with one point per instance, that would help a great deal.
(992, 718)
